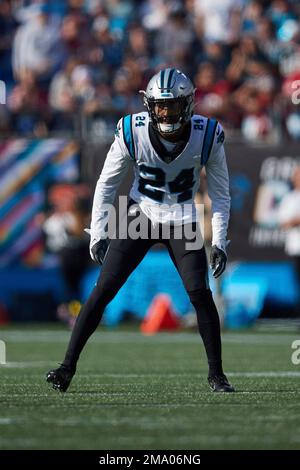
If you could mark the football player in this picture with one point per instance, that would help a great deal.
(168, 146)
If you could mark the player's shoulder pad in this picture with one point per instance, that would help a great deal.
(130, 124)
(213, 139)
(124, 132)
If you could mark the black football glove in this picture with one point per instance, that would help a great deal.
(98, 250)
(218, 260)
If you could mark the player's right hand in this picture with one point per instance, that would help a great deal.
(98, 250)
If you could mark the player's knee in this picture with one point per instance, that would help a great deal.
(202, 295)
(195, 281)
(107, 286)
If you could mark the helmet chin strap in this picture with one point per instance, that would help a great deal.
(168, 128)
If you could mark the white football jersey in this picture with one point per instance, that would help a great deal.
(165, 188)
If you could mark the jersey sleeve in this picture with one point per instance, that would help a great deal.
(116, 165)
(218, 187)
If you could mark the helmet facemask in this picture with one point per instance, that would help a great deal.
(170, 114)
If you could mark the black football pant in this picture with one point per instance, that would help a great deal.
(122, 257)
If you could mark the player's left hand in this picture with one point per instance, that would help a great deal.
(218, 260)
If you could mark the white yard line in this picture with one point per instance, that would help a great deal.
(32, 364)
(266, 374)
(106, 337)
(25, 365)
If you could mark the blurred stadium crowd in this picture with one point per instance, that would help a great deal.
(74, 67)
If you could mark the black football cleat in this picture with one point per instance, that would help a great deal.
(219, 383)
(60, 378)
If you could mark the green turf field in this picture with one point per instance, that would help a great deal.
(136, 392)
